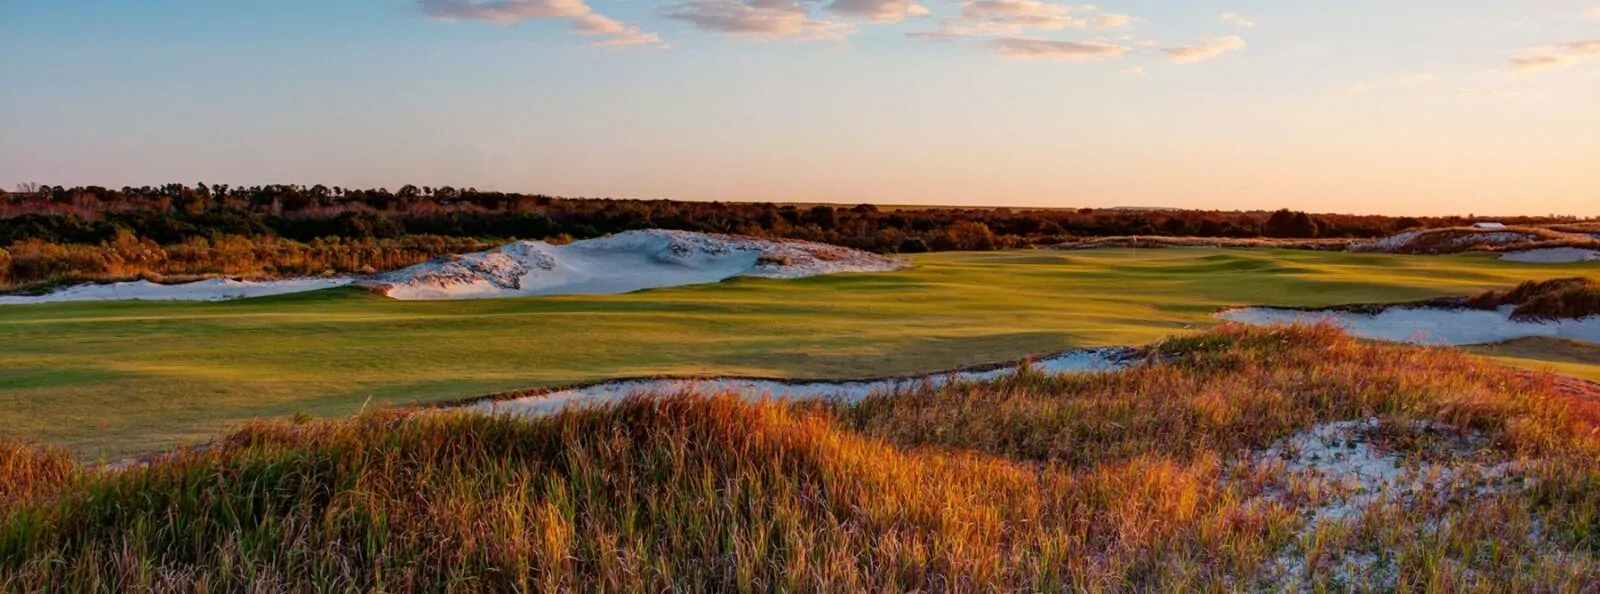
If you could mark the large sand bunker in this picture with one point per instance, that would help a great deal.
(1558, 255)
(551, 402)
(622, 263)
(1427, 325)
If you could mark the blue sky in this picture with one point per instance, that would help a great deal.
(1417, 107)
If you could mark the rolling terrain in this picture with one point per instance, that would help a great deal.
(111, 379)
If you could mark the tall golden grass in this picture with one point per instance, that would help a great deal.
(1129, 481)
(38, 263)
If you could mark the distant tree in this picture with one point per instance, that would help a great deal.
(1291, 224)
(972, 235)
(1301, 225)
(1278, 224)
(823, 216)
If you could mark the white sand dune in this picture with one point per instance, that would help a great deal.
(622, 263)
(217, 289)
(1560, 255)
(757, 389)
(1427, 325)
(1451, 239)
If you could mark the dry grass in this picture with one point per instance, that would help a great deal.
(1205, 242)
(1449, 240)
(1144, 479)
(34, 266)
(29, 471)
(1566, 298)
(1511, 239)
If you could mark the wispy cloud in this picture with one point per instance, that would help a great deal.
(988, 18)
(504, 12)
(767, 19)
(882, 11)
(1023, 48)
(1112, 21)
(1593, 13)
(1208, 48)
(1234, 19)
(577, 13)
(1556, 57)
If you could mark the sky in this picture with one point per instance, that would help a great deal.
(1359, 106)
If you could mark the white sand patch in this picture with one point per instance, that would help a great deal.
(1560, 255)
(1387, 244)
(758, 389)
(623, 263)
(1339, 461)
(1426, 325)
(217, 289)
(1333, 474)
(1455, 238)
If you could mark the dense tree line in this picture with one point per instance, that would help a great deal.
(175, 212)
(54, 233)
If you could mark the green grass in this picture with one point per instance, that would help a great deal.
(1569, 357)
(108, 379)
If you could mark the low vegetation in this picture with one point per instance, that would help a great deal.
(1172, 474)
(1157, 242)
(1565, 298)
(1456, 240)
(60, 234)
(37, 265)
(112, 379)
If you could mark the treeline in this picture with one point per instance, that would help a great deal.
(175, 212)
(178, 215)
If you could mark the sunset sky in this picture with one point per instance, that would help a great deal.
(1371, 106)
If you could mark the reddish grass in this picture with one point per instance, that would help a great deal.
(1132, 480)
(40, 265)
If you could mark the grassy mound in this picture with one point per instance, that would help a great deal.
(1150, 478)
(1455, 240)
(1566, 298)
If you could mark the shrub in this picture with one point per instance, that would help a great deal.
(1566, 298)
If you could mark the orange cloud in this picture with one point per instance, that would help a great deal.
(1022, 48)
(584, 20)
(1208, 48)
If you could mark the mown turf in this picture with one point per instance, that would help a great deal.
(1139, 480)
(108, 379)
(1568, 357)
